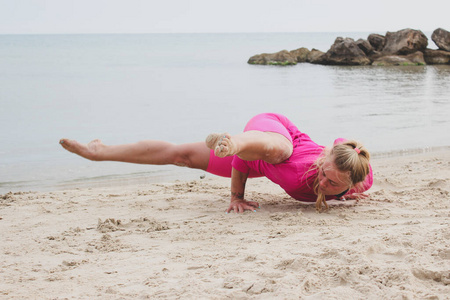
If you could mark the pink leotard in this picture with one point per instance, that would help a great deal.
(295, 174)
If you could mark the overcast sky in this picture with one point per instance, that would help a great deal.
(170, 16)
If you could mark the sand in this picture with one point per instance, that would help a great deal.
(174, 240)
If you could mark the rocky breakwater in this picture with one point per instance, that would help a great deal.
(404, 47)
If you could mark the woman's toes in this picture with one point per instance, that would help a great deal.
(226, 142)
(66, 143)
(221, 144)
(215, 139)
(89, 151)
(220, 151)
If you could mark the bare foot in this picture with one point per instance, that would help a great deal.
(222, 144)
(89, 151)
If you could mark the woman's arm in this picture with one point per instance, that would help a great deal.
(238, 203)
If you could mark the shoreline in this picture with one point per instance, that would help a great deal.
(167, 174)
(173, 239)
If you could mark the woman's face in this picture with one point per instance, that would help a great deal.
(331, 180)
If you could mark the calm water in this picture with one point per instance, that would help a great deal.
(180, 87)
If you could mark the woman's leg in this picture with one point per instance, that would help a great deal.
(252, 145)
(194, 155)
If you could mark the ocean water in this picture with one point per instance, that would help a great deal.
(180, 87)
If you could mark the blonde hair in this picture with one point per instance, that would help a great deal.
(349, 157)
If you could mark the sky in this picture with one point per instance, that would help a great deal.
(185, 16)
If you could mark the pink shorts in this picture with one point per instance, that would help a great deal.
(267, 122)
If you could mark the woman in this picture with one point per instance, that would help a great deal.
(270, 146)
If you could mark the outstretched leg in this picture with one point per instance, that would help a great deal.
(194, 155)
(252, 145)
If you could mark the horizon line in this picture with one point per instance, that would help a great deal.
(221, 32)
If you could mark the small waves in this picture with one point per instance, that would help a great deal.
(407, 152)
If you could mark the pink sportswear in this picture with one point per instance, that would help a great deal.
(294, 175)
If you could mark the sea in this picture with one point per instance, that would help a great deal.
(123, 88)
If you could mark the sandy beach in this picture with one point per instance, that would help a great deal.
(174, 240)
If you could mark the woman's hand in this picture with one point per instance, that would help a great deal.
(355, 196)
(238, 204)
(241, 205)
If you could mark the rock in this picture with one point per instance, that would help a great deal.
(301, 54)
(437, 57)
(414, 59)
(391, 60)
(345, 52)
(282, 58)
(365, 46)
(375, 55)
(377, 41)
(404, 47)
(441, 38)
(404, 42)
(315, 56)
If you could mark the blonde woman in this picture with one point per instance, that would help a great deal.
(270, 146)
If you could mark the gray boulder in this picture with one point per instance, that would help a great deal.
(441, 38)
(414, 59)
(315, 56)
(404, 42)
(301, 54)
(437, 57)
(282, 58)
(365, 46)
(345, 52)
(377, 41)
